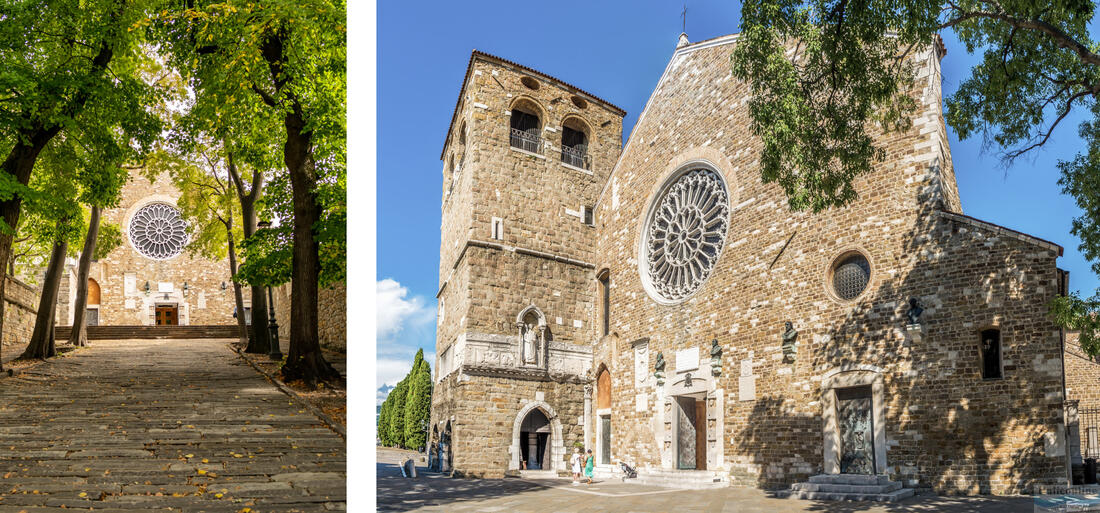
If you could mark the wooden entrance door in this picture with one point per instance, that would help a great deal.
(691, 439)
(857, 440)
(700, 435)
(167, 315)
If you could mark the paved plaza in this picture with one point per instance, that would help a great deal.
(434, 492)
(161, 425)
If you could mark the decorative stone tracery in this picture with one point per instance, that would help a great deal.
(158, 231)
(685, 233)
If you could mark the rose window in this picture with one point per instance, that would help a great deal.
(685, 234)
(157, 231)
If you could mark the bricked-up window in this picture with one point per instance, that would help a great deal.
(574, 144)
(525, 129)
(604, 286)
(991, 354)
(497, 228)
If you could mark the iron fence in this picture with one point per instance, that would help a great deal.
(1088, 422)
(575, 156)
(526, 141)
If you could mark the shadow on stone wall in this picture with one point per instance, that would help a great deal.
(946, 427)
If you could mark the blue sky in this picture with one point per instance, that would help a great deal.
(617, 51)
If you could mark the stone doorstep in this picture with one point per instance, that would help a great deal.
(845, 488)
(893, 496)
(849, 479)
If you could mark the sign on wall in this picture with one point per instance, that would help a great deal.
(687, 359)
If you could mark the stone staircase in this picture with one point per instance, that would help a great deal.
(686, 479)
(152, 332)
(848, 487)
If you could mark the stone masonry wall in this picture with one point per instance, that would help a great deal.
(485, 411)
(20, 308)
(946, 428)
(542, 257)
(1082, 375)
(331, 315)
(122, 275)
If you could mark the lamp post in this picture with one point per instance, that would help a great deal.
(274, 353)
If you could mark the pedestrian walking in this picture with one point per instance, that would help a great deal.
(589, 463)
(575, 462)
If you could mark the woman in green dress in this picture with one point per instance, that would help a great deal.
(589, 463)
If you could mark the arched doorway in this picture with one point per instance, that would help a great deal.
(603, 416)
(91, 315)
(537, 438)
(534, 441)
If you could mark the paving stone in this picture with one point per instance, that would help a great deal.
(123, 421)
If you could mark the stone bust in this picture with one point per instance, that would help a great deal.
(715, 349)
(790, 338)
(915, 309)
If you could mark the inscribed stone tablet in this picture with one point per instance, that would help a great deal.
(641, 402)
(687, 359)
(746, 388)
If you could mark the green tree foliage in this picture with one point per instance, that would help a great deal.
(397, 415)
(283, 60)
(847, 79)
(384, 416)
(419, 402)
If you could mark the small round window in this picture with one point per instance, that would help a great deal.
(850, 276)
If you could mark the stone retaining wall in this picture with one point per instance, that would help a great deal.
(20, 308)
(331, 315)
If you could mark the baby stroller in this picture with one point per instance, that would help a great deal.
(628, 471)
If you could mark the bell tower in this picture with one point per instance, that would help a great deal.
(524, 162)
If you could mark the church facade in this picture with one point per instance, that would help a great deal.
(659, 304)
(150, 279)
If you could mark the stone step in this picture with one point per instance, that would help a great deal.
(849, 479)
(893, 496)
(152, 332)
(846, 488)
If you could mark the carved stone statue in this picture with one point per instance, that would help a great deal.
(530, 343)
(915, 309)
(715, 358)
(790, 339)
(659, 368)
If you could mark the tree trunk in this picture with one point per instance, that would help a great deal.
(42, 345)
(237, 296)
(304, 359)
(78, 336)
(259, 340)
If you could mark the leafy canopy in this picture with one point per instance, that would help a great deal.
(830, 76)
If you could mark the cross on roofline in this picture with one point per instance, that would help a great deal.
(684, 17)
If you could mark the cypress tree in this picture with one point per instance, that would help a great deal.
(384, 417)
(418, 404)
(397, 417)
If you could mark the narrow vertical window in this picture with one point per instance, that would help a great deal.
(498, 228)
(589, 216)
(605, 302)
(991, 354)
(574, 144)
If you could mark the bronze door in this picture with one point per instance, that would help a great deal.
(167, 315)
(857, 448)
(687, 436)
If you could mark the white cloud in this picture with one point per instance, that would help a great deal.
(396, 310)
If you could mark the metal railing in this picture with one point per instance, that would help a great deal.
(575, 156)
(526, 141)
(1088, 422)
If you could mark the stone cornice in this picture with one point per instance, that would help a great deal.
(1000, 230)
(527, 374)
